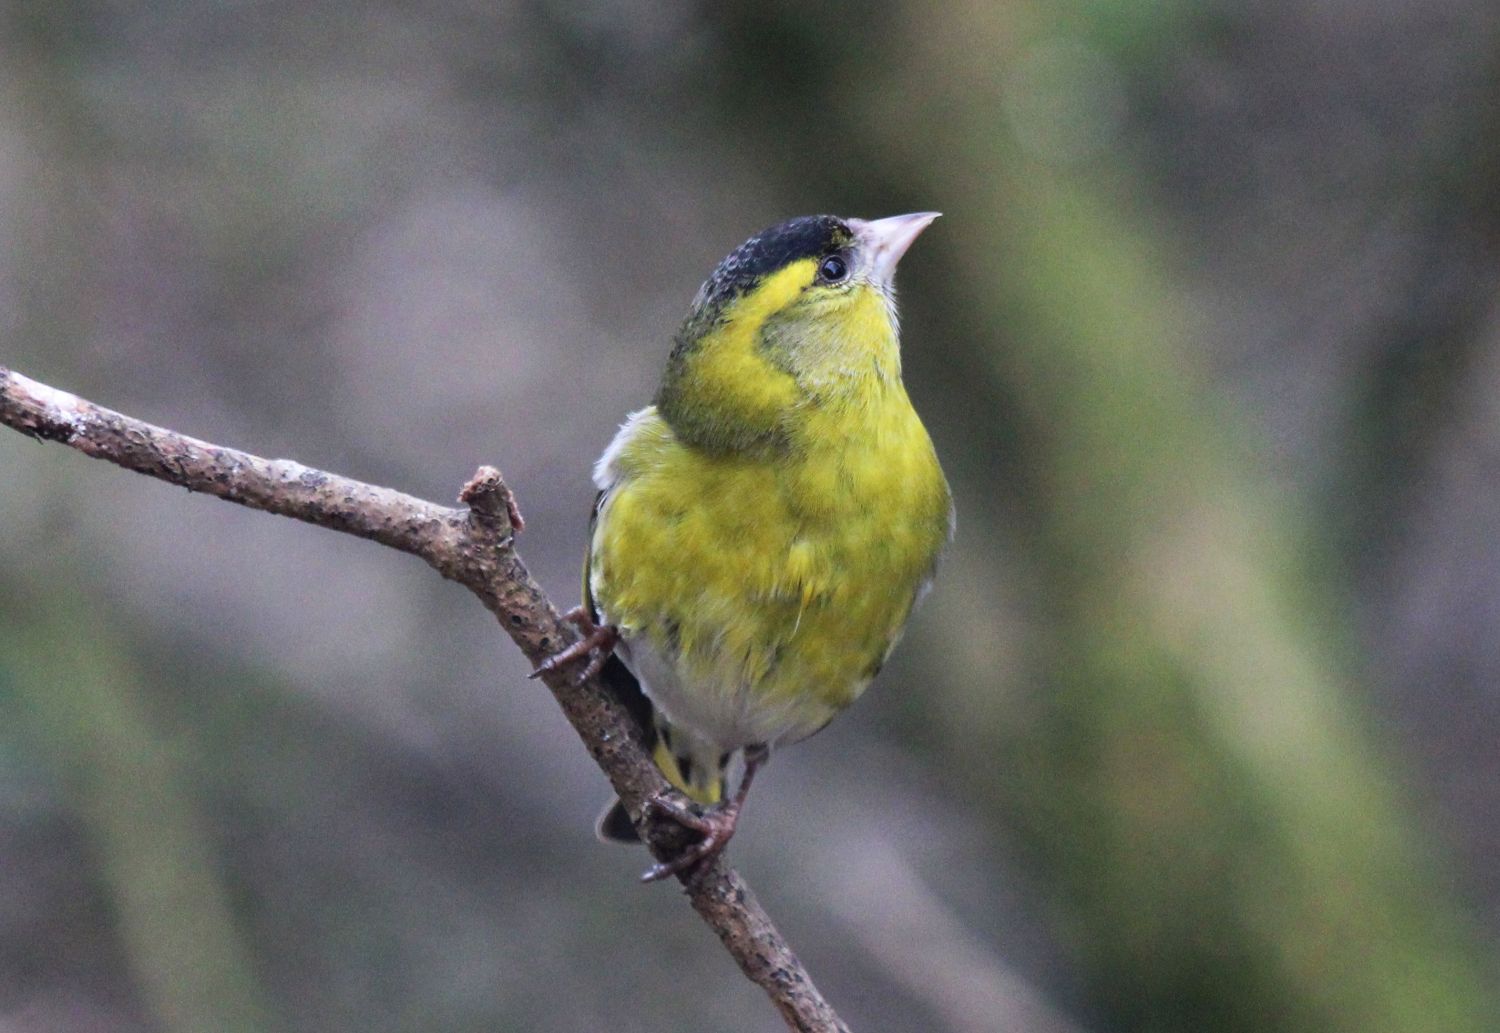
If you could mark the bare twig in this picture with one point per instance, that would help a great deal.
(472, 545)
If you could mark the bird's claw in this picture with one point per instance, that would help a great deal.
(716, 826)
(597, 643)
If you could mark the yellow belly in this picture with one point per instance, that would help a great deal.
(757, 596)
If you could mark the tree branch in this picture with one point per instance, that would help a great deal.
(472, 545)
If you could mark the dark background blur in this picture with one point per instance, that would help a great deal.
(1200, 730)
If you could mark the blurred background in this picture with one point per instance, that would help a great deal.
(1200, 729)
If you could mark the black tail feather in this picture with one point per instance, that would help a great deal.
(615, 826)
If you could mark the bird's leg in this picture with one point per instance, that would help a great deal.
(715, 825)
(596, 643)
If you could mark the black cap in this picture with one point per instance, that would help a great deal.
(807, 236)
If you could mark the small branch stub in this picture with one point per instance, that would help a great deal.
(490, 500)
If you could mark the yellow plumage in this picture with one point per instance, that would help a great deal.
(765, 528)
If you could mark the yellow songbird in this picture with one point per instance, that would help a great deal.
(764, 528)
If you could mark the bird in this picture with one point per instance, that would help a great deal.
(764, 528)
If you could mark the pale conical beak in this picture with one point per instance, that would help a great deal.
(884, 241)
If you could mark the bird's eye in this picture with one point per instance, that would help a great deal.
(833, 270)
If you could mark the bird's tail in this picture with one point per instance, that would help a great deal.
(685, 760)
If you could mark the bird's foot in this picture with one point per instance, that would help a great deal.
(596, 643)
(715, 826)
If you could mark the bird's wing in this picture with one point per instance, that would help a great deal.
(615, 675)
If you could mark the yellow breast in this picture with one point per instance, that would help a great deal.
(759, 594)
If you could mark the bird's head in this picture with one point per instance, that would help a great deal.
(803, 313)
